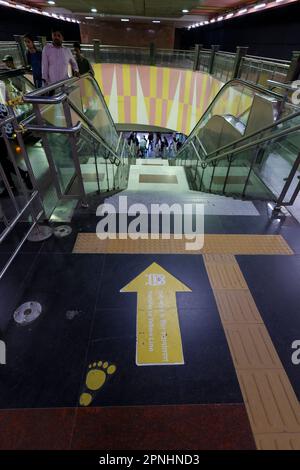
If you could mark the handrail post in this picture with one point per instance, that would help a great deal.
(21, 48)
(42, 40)
(294, 70)
(214, 50)
(152, 52)
(198, 48)
(240, 53)
(97, 57)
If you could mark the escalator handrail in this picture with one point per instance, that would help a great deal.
(268, 138)
(253, 134)
(235, 81)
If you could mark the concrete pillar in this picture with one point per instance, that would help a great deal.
(294, 70)
(97, 54)
(214, 50)
(240, 53)
(198, 48)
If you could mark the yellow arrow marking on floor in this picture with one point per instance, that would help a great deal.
(158, 329)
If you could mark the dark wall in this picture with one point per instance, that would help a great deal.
(13, 21)
(270, 33)
(134, 34)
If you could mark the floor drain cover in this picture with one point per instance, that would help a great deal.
(62, 231)
(27, 313)
(40, 233)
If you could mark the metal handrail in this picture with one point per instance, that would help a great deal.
(54, 130)
(44, 99)
(266, 61)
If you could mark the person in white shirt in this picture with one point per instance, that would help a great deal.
(56, 60)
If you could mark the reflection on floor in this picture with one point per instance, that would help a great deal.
(72, 378)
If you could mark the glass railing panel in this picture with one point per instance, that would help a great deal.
(259, 70)
(87, 97)
(223, 66)
(12, 90)
(204, 60)
(275, 161)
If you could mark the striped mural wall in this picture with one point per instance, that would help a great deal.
(157, 96)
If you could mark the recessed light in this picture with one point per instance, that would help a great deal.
(260, 5)
(124, 19)
(155, 21)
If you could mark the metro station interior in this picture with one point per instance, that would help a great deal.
(150, 227)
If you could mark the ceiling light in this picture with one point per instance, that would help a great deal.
(260, 5)
(185, 11)
(89, 17)
(220, 18)
(212, 21)
(243, 10)
(94, 10)
(51, 2)
(124, 19)
(156, 21)
(230, 15)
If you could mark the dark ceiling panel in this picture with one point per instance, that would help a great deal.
(149, 8)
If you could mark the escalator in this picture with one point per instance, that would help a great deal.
(246, 145)
(71, 141)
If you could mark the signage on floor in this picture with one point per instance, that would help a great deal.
(158, 329)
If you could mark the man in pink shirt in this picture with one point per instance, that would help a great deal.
(56, 60)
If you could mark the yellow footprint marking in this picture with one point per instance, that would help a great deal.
(95, 379)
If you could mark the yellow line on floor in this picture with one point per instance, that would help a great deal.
(219, 244)
(272, 406)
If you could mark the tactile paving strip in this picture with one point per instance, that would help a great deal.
(272, 406)
(213, 244)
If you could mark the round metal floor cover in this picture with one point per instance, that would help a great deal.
(27, 313)
(40, 233)
(62, 231)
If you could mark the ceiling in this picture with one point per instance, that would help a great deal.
(143, 8)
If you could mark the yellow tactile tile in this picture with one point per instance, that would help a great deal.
(272, 405)
(246, 244)
(223, 273)
(270, 400)
(251, 347)
(213, 244)
(278, 441)
(237, 307)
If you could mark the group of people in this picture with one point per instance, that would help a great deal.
(156, 145)
(48, 66)
(52, 63)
